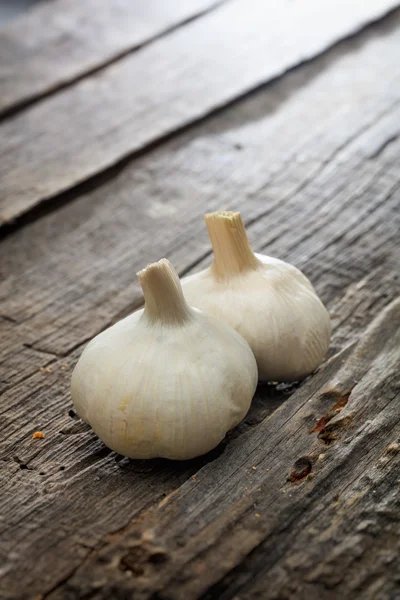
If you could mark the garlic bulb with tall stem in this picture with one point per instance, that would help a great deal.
(269, 302)
(166, 381)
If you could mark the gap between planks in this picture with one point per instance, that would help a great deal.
(54, 203)
(81, 38)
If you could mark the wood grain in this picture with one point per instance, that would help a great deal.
(60, 41)
(319, 188)
(253, 505)
(175, 81)
(308, 196)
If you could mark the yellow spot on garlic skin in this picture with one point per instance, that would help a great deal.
(124, 403)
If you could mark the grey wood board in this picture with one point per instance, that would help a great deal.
(317, 188)
(258, 498)
(60, 41)
(297, 191)
(120, 110)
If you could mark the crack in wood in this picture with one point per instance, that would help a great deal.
(31, 99)
(337, 407)
(9, 319)
(383, 146)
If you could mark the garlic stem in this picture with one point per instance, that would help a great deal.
(163, 294)
(232, 250)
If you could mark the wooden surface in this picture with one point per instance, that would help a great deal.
(62, 40)
(145, 96)
(301, 500)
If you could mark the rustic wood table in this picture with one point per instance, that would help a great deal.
(121, 124)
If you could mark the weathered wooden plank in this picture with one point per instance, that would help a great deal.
(60, 41)
(272, 493)
(228, 508)
(18, 360)
(69, 274)
(55, 481)
(181, 78)
(287, 186)
(362, 519)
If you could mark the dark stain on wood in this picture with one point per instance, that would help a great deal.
(335, 409)
(302, 468)
(143, 557)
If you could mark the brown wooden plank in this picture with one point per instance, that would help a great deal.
(54, 481)
(276, 492)
(242, 161)
(18, 359)
(181, 78)
(78, 256)
(319, 188)
(59, 41)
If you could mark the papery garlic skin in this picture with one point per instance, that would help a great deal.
(269, 302)
(166, 381)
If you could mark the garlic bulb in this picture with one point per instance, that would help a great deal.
(269, 302)
(166, 381)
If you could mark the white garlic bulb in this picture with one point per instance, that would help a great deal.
(167, 381)
(269, 302)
